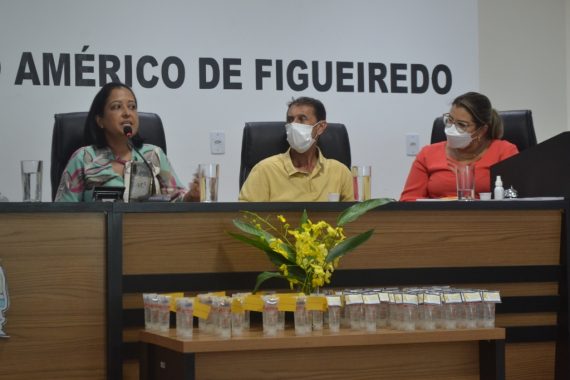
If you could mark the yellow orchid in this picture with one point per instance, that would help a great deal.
(307, 256)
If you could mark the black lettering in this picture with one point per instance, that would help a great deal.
(360, 76)
(27, 70)
(179, 65)
(441, 69)
(203, 64)
(303, 84)
(56, 72)
(260, 73)
(396, 76)
(328, 76)
(108, 71)
(417, 69)
(229, 73)
(341, 75)
(129, 70)
(279, 75)
(146, 60)
(81, 69)
(376, 74)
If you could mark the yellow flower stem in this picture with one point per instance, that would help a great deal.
(269, 225)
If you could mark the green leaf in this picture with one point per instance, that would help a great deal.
(261, 244)
(355, 211)
(304, 218)
(248, 228)
(276, 258)
(348, 245)
(264, 276)
(297, 273)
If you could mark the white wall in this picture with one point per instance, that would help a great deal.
(523, 47)
(384, 31)
(518, 58)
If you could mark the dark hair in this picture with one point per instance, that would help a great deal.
(479, 107)
(93, 134)
(317, 105)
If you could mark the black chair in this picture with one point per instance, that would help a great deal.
(267, 138)
(518, 126)
(67, 137)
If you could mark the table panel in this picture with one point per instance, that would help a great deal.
(55, 269)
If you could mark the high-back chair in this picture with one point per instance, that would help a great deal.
(267, 138)
(518, 126)
(68, 136)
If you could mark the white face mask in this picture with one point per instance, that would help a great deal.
(457, 139)
(300, 136)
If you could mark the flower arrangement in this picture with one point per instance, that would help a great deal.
(305, 256)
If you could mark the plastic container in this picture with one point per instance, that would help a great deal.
(163, 313)
(270, 315)
(224, 319)
(302, 326)
(499, 191)
(184, 317)
(317, 320)
(148, 300)
(334, 318)
(238, 315)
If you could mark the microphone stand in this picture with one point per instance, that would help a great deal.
(129, 133)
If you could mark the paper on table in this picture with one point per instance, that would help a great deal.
(505, 199)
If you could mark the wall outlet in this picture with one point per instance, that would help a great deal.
(412, 144)
(217, 142)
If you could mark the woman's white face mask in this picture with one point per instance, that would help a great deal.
(300, 136)
(456, 138)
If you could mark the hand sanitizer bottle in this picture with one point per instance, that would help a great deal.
(499, 191)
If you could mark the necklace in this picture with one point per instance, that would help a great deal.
(120, 160)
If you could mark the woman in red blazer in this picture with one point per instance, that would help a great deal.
(473, 129)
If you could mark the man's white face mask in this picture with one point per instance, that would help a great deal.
(456, 138)
(300, 136)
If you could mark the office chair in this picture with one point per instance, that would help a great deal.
(67, 137)
(518, 127)
(267, 138)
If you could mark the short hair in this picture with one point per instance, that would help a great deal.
(93, 134)
(479, 107)
(317, 105)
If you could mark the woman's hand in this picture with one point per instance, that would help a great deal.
(193, 194)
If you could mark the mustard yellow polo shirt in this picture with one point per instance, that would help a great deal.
(275, 179)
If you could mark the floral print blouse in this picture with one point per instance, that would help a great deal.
(91, 167)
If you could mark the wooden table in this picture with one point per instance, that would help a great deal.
(386, 354)
(101, 257)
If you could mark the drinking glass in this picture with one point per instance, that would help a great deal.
(361, 177)
(32, 174)
(465, 175)
(208, 175)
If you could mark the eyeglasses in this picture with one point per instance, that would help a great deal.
(448, 120)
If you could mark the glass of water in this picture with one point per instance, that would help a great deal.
(208, 175)
(465, 175)
(32, 174)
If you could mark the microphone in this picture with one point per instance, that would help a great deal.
(128, 131)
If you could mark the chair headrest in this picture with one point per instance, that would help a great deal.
(267, 138)
(68, 136)
(518, 129)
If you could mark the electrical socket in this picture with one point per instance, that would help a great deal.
(412, 144)
(217, 142)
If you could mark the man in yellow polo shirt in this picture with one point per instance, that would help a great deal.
(302, 173)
